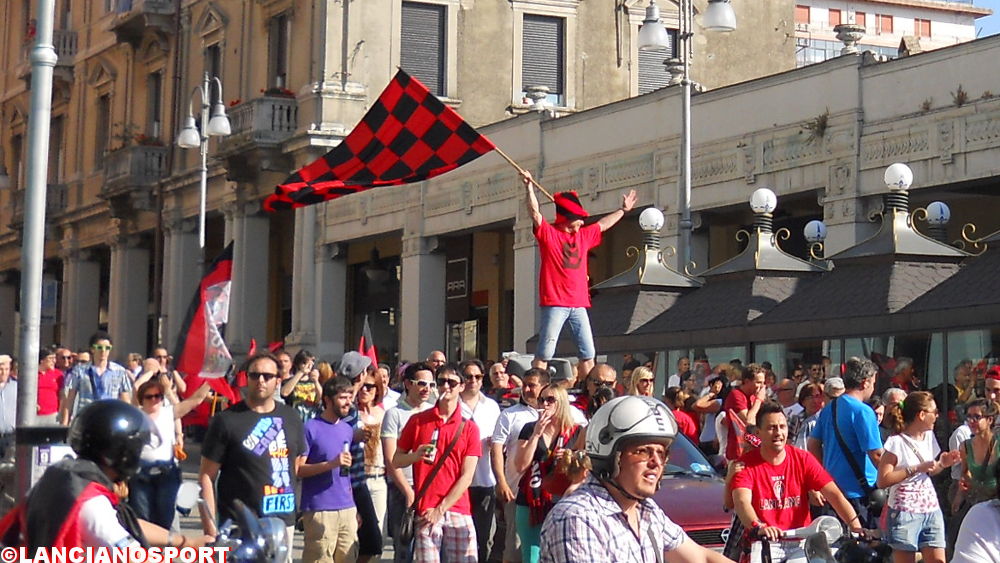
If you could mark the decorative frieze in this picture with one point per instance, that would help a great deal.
(628, 172)
(715, 166)
(907, 145)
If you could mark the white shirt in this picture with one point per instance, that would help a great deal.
(99, 525)
(485, 416)
(979, 537)
(390, 400)
(674, 380)
(508, 428)
(915, 493)
(960, 435)
(162, 437)
(394, 421)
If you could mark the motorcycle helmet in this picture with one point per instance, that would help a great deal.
(111, 433)
(623, 421)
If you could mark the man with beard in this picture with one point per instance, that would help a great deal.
(611, 516)
(329, 515)
(255, 449)
(771, 494)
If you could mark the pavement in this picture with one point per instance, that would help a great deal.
(191, 525)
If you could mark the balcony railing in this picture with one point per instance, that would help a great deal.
(65, 43)
(137, 166)
(55, 203)
(133, 17)
(264, 122)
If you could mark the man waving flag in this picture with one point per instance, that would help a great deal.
(407, 136)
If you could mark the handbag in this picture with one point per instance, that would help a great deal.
(408, 524)
(876, 497)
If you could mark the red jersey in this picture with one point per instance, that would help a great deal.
(563, 277)
(418, 431)
(738, 401)
(780, 493)
(686, 424)
(49, 384)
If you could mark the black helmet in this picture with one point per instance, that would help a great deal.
(111, 433)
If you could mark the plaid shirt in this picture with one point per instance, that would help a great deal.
(589, 525)
(358, 476)
(110, 384)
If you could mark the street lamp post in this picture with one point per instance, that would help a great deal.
(719, 16)
(215, 124)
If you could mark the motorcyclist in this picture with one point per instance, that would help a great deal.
(79, 502)
(611, 516)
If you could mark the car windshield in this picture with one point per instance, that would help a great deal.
(687, 459)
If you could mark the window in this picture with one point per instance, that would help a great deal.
(277, 52)
(57, 153)
(155, 108)
(652, 74)
(17, 155)
(834, 18)
(859, 19)
(884, 24)
(543, 55)
(801, 14)
(922, 28)
(101, 129)
(422, 44)
(213, 60)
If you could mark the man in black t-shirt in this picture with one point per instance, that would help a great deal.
(255, 449)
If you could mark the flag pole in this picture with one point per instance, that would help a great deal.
(523, 172)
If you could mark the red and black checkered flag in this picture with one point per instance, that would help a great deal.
(407, 136)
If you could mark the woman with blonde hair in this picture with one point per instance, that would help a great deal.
(370, 414)
(915, 521)
(541, 446)
(641, 382)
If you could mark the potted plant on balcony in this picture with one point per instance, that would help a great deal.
(148, 140)
(278, 92)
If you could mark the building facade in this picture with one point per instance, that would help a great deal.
(924, 24)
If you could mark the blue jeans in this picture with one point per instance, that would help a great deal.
(153, 493)
(552, 322)
(913, 531)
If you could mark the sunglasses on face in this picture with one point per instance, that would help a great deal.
(153, 397)
(101, 347)
(475, 377)
(975, 417)
(644, 380)
(452, 383)
(65, 357)
(259, 374)
(643, 454)
(368, 386)
(425, 383)
(550, 400)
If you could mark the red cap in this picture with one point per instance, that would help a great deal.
(993, 373)
(568, 207)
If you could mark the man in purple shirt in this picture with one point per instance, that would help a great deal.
(328, 512)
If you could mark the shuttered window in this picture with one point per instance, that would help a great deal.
(834, 18)
(543, 53)
(422, 52)
(652, 74)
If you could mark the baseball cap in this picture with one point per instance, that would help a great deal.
(353, 364)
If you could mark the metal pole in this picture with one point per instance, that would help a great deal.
(204, 162)
(684, 256)
(43, 60)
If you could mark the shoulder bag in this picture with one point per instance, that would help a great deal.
(408, 525)
(876, 497)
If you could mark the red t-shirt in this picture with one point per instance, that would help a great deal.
(49, 384)
(781, 492)
(417, 432)
(563, 277)
(738, 401)
(686, 424)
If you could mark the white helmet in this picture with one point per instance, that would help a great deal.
(623, 420)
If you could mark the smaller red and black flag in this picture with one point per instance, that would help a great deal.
(366, 347)
(201, 353)
(407, 136)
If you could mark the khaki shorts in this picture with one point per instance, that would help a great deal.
(331, 536)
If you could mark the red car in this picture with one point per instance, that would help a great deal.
(691, 495)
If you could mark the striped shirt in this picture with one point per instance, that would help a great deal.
(588, 525)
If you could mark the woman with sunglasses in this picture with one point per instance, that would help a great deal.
(641, 382)
(915, 522)
(541, 445)
(153, 490)
(979, 456)
(801, 425)
(370, 414)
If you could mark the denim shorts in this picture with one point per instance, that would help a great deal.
(911, 531)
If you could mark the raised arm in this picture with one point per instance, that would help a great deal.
(628, 202)
(536, 215)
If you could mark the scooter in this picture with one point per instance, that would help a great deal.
(819, 536)
(250, 539)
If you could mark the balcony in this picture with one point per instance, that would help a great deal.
(55, 203)
(64, 42)
(134, 17)
(259, 127)
(131, 175)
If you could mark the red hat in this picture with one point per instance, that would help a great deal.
(993, 373)
(568, 207)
